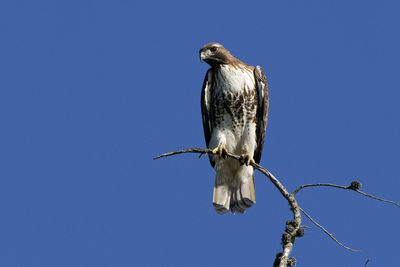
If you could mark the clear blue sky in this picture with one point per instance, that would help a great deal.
(90, 91)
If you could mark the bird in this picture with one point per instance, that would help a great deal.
(234, 108)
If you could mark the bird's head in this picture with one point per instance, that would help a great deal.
(215, 54)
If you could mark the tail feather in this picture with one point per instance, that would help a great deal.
(234, 197)
(248, 192)
(235, 205)
(221, 198)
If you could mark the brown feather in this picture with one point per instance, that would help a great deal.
(262, 110)
(206, 110)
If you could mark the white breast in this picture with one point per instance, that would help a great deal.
(235, 79)
(233, 129)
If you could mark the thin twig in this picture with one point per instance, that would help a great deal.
(319, 184)
(189, 150)
(350, 187)
(377, 198)
(366, 263)
(326, 231)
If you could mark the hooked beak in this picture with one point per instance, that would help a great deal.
(202, 56)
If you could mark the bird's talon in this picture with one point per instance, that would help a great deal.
(246, 159)
(243, 159)
(221, 151)
(224, 153)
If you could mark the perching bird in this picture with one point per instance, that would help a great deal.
(234, 107)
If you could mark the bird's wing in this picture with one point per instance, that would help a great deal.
(262, 110)
(206, 109)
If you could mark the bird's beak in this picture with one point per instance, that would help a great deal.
(202, 56)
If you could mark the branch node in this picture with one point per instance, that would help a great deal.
(291, 262)
(355, 185)
(300, 232)
(286, 238)
(291, 227)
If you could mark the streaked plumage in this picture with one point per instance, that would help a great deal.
(234, 105)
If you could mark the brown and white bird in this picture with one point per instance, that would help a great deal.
(234, 107)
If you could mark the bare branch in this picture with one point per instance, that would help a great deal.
(292, 230)
(326, 231)
(354, 186)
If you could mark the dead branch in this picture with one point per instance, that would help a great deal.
(293, 228)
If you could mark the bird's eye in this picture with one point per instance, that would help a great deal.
(213, 49)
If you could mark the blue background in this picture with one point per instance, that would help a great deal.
(90, 91)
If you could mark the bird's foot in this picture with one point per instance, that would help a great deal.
(246, 159)
(220, 150)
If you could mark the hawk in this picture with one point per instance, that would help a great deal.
(234, 107)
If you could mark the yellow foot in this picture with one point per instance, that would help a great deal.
(220, 150)
(246, 159)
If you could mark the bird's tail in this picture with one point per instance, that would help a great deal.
(235, 195)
